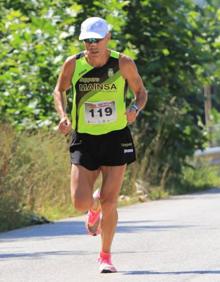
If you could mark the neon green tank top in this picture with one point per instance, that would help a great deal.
(99, 96)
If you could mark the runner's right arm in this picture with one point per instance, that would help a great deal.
(63, 84)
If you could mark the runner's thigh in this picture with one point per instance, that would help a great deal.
(82, 181)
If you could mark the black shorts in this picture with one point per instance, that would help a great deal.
(111, 149)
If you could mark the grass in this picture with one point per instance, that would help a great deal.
(199, 177)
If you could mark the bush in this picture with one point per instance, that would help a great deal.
(197, 177)
(34, 176)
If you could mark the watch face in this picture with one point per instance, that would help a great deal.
(134, 106)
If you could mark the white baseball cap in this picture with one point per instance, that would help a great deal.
(94, 27)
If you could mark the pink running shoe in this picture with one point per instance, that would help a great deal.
(93, 218)
(106, 265)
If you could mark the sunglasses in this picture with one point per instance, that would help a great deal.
(92, 40)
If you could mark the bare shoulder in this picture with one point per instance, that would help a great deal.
(127, 66)
(66, 73)
(68, 67)
(70, 59)
(125, 61)
(69, 63)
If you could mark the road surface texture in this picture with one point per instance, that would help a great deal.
(177, 239)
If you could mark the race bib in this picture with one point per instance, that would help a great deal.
(100, 112)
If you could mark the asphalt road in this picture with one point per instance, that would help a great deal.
(169, 240)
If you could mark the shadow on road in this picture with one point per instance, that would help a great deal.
(39, 255)
(145, 272)
(61, 228)
(137, 226)
(73, 228)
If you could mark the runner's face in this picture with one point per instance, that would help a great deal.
(97, 48)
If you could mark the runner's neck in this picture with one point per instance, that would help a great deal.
(98, 61)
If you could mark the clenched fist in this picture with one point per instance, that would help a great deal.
(64, 125)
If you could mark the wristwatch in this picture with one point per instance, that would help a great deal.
(135, 107)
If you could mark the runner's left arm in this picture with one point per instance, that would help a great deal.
(130, 73)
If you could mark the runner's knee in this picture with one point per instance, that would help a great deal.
(81, 203)
(108, 207)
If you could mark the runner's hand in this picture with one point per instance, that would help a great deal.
(131, 114)
(64, 125)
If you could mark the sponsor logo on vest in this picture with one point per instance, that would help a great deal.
(85, 87)
(89, 79)
(110, 72)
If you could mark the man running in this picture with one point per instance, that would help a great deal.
(101, 140)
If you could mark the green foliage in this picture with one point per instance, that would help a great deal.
(214, 128)
(195, 178)
(35, 42)
(10, 204)
(34, 176)
(175, 50)
(157, 193)
(203, 176)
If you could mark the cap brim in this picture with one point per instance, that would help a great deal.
(87, 35)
